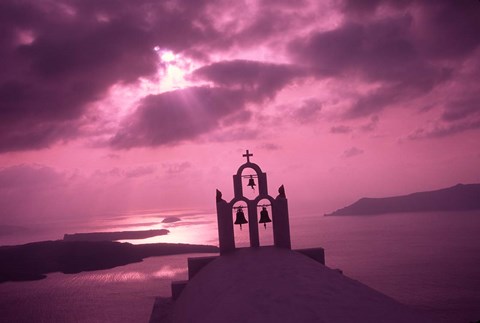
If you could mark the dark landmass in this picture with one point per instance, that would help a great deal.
(112, 236)
(171, 219)
(33, 261)
(456, 198)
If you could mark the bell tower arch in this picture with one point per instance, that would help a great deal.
(279, 207)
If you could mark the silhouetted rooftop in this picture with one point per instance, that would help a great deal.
(279, 285)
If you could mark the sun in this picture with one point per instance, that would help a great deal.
(173, 68)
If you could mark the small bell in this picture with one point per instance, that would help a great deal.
(251, 182)
(264, 218)
(240, 217)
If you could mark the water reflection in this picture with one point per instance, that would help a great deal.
(193, 226)
(169, 272)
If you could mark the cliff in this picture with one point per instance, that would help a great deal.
(456, 198)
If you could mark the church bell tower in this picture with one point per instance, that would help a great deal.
(279, 207)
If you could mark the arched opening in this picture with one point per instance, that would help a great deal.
(265, 225)
(240, 223)
(249, 183)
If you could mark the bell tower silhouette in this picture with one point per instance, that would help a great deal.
(279, 206)
(226, 233)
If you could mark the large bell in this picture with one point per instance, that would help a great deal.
(240, 219)
(264, 218)
(251, 182)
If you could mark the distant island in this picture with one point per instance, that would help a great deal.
(112, 236)
(171, 219)
(33, 261)
(461, 197)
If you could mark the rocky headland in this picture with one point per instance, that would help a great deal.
(461, 197)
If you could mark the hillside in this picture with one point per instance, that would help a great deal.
(33, 261)
(112, 236)
(459, 197)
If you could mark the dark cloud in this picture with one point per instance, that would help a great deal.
(377, 52)
(259, 79)
(380, 50)
(269, 24)
(176, 116)
(375, 101)
(448, 29)
(399, 53)
(57, 57)
(440, 130)
(369, 6)
(283, 4)
(444, 28)
(462, 108)
(32, 134)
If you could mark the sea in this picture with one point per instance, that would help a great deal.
(429, 261)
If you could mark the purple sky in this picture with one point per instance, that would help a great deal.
(119, 106)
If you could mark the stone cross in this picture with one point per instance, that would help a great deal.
(248, 155)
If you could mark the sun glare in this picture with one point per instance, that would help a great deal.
(168, 56)
(172, 70)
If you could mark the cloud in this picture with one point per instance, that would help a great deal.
(308, 111)
(461, 108)
(439, 130)
(269, 146)
(352, 152)
(447, 29)
(371, 125)
(176, 116)
(177, 168)
(140, 171)
(58, 57)
(444, 29)
(392, 52)
(340, 129)
(379, 50)
(367, 7)
(259, 79)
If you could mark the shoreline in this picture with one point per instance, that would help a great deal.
(32, 261)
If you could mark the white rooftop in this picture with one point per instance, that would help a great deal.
(279, 285)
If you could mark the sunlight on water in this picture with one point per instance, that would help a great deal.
(117, 277)
(169, 272)
(165, 271)
(427, 260)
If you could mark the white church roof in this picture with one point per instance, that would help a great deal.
(279, 285)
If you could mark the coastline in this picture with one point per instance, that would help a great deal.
(32, 261)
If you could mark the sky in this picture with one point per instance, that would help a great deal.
(116, 107)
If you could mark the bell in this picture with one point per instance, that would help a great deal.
(264, 218)
(240, 218)
(251, 182)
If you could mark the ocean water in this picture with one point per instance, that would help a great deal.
(430, 261)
